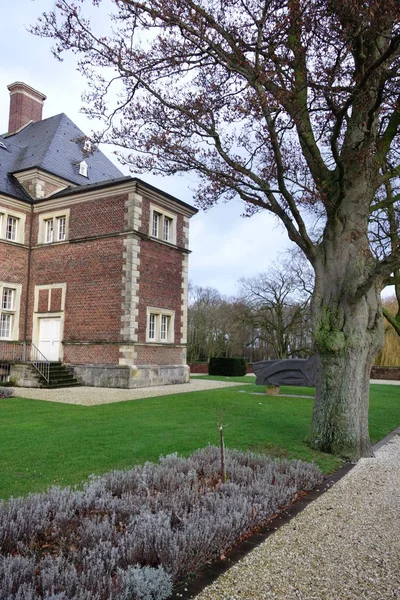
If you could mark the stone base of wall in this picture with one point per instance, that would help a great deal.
(130, 377)
(23, 375)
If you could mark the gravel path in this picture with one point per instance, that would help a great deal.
(92, 396)
(343, 546)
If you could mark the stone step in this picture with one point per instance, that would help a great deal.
(60, 376)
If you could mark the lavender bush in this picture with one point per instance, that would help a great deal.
(131, 535)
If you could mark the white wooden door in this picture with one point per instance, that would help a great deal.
(49, 338)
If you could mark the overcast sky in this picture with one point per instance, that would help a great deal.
(225, 246)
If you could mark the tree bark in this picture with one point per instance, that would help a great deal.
(348, 329)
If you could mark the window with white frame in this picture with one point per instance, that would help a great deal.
(53, 227)
(7, 301)
(152, 326)
(61, 228)
(12, 229)
(49, 223)
(9, 310)
(167, 231)
(160, 325)
(12, 226)
(155, 224)
(163, 225)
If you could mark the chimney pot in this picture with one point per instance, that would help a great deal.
(26, 105)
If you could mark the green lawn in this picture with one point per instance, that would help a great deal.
(44, 443)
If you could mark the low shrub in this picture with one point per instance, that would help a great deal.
(6, 392)
(229, 367)
(134, 534)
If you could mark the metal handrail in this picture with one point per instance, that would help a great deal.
(26, 352)
(40, 362)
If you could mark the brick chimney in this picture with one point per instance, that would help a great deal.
(26, 104)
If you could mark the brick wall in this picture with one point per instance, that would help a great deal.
(15, 271)
(38, 187)
(91, 218)
(97, 217)
(160, 283)
(6, 206)
(158, 355)
(92, 272)
(26, 104)
(145, 224)
(96, 354)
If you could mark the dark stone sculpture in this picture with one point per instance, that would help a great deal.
(291, 371)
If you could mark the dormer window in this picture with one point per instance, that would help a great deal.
(83, 168)
(87, 146)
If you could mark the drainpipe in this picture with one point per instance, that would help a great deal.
(28, 278)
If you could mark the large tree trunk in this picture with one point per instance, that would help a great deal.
(348, 330)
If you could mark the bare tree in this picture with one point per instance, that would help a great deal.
(291, 105)
(206, 335)
(280, 311)
(216, 325)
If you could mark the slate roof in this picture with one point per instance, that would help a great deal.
(54, 145)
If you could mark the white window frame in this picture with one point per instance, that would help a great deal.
(152, 327)
(9, 309)
(155, 223)
(49, 233)
(5, 330)
(19, 232)
(160, 325)
(8, 298)
(12, 228)
(61, 228)
(57, 223)
(162, 225)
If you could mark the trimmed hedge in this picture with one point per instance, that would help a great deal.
(230, 367)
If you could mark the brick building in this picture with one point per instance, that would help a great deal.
(93, 265)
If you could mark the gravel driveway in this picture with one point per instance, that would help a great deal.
(345, 545)
(92, 396)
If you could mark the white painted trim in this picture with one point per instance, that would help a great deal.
(6, 212)
(84, 196)
(19, 87)
(155, 208)
(27, 175)
(159, 312)
(14, 313)
(62, 286)
(52, 215)
(18, 204)
(48, 315)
